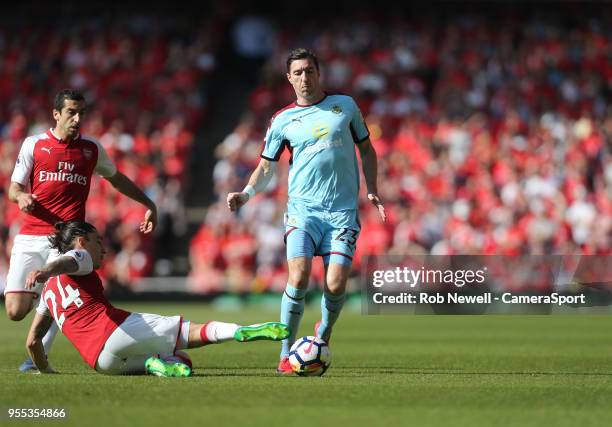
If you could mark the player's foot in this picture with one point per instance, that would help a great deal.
(156, 366)
(28, 366)
(316, 332)
(284, 367)
(273, 331)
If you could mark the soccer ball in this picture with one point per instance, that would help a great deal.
(310, 356)
(177, 356)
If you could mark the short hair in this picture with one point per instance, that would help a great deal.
(62, 95)
(301, 53)
(65, 232)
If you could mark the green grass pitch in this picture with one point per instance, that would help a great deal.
(386, 370)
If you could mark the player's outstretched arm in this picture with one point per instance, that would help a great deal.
(17, 194)
(61, 265)
(40, 326)
(126, 186)
(369, 163)
(258, 181)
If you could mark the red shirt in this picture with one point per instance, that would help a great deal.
(59, 175)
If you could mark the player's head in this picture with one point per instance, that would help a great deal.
(78, 235)
(303, 74)
(68, 111)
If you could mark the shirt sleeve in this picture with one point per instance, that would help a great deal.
(274, 142)
(42, 308)
(24, 163)
(105, 166)
(83, 260)
(359, 129)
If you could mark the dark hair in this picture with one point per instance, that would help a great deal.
(65, 232)
(62, 95)
(301, 53)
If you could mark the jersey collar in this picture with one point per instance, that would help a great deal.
(53, 136)
(311, 105)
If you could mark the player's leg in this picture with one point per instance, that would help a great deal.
(302, 232)
(338, 247)
(334, 295)
(214, 332)
(25, 256)
(18, 304)
(292, 302)
(28, 253)
(142, 336)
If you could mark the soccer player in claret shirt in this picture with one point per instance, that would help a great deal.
(320, 131)
(110, 340)
(50, 183)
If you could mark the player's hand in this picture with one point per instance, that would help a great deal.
(26, 202)
(376, 202)
(236, 200)
(149, 222)
(36, 276)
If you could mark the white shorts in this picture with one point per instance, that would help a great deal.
(139, 337)
(29, 253)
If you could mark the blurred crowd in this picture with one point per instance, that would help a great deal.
(494, 136)
(141, 76)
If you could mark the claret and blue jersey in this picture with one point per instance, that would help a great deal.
(321, 138)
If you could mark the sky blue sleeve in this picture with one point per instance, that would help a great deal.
(274, 142)
(359, 129)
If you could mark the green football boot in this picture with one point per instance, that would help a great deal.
(156, 366)
(272, 331)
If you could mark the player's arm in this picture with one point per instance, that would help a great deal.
(40, 326)
(126, 186)
(17, 194)
(62, 265)
(369, 163)
(259, 180)
(21, 176)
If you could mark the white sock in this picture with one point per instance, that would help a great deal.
(49, 337)
(220, 331)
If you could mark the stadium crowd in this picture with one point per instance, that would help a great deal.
(141, 76)
(493, 136)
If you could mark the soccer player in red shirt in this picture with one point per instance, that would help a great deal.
(111, 340)
(50, 183)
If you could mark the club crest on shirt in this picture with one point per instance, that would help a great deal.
(87, 153)
(336, 109)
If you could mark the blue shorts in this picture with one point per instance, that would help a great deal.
(312, 232)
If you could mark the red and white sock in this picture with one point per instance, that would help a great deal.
(215, 332)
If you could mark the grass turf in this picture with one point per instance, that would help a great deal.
(386, 370)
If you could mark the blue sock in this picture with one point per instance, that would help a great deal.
(331, 305)
(292, 308)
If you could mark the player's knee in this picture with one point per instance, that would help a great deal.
(16, 310)
(299, 273)
(336, 281)
(299, 277)
(16, 313)
(336, 287)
